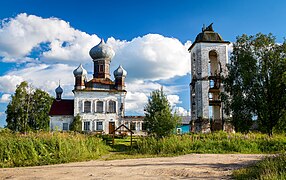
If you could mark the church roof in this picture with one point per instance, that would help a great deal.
(105, 81)
(208, 35)
(62, 107)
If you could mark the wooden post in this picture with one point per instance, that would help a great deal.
(113, 134)
(131, 140)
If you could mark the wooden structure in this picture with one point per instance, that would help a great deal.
(122, 125)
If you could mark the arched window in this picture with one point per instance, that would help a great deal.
(99, 106)
(214, 67)
(87, 106)
(112, 106)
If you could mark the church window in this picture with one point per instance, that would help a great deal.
(87, 106)
(86, 126)
(65, 126)
(99, 125)
(144, 128)
(132, 126)
(112, 106)
(99, 107)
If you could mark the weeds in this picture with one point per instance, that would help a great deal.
(271, 168)
(48, 148)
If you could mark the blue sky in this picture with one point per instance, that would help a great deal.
(152, 35)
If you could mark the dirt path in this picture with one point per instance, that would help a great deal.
(192, 166)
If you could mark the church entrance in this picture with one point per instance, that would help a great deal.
(111, 127)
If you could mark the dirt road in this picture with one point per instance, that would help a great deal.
(192, 166)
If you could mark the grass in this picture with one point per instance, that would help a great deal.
(48, 148)
(220, 142)
(51, 148)
(271, 168)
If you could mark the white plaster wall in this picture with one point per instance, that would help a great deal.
(56, 122)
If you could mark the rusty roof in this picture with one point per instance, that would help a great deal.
(62, 107)
(208, 35)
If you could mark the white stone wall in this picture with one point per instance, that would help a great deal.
(200, 71)
(56, 122)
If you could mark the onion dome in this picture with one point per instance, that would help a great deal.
(80, 71)
(120, 72)
(101, 51)
(59, 90)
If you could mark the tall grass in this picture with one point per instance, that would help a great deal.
(220, 142)
(271, 168)
(48, 148)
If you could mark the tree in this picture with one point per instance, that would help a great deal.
(158, 117)
(76, 124)
(17, 109)
(28, 109)
(255, 82)
(40, 106)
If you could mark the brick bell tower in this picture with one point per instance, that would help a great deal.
(209, 56)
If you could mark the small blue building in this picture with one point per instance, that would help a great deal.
(185, 125)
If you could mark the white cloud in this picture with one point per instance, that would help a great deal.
(147, 59)
(173, 100)
(19, 35)
(151, 57)
(8, 83)
(5, 98)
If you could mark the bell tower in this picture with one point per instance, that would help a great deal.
(209, 56)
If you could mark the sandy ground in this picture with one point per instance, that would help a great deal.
(191, 166)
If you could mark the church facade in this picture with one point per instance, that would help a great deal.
(99, 102)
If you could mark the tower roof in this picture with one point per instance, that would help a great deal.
(101, 51)
(80, 71)
(59, 89)
(120, 72)
(208, 35)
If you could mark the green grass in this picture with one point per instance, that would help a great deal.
(48, 148)
(220, 142)
(271, 168)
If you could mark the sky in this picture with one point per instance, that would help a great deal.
(43, 41)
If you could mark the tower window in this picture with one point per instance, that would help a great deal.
(99, 107)
(87, 106)
(112, 106)
(100, 68)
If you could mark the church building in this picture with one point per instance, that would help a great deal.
(99, 101)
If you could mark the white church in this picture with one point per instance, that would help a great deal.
(99, 101)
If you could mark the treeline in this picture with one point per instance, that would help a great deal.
(256, 84)
(28, 110)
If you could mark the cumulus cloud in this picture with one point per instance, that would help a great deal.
(151, 57)
(49, 49)
(20, 35)
(5, 98)
(8, 83)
